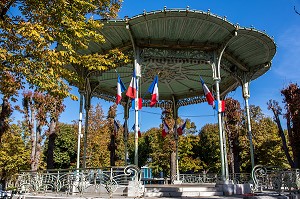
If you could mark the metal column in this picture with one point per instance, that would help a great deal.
(79, 130)
(136, 103)
(246, 96)
(175, 117)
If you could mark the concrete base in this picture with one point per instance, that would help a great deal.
(135, 189)
(240, 189)
(177, 182)
(272, 196)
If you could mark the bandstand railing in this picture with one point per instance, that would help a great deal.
(109, 181)
(270, 178)
(236, 178)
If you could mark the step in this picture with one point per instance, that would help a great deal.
(182, 191)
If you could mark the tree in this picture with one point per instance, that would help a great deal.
(233, 126)
(28, 38)
(291, 101)
(54, 106)
(99, 139)
(113, 133)
(14, 154)
(8, 91)
(189, 160)
(209, 148)
(65, 147)
(41, 113)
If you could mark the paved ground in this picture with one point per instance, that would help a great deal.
(258, 196)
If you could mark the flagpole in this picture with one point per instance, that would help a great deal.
(136, 127)
(175, 115)
(136, 103)
(246, 96)
(79, 129)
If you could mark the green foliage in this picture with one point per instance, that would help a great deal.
(65, 148)
(28, 40)
(189, 158)
(209, 148)
(14, 154)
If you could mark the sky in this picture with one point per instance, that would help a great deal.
(276, 17)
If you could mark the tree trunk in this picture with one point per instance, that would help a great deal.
(236, 155)
(51, 144)
(112, 150)
(173, 166)
(283, 139)
(38, 148)
(33, 138)
(4, 115)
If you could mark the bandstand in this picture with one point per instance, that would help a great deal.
(179, 45)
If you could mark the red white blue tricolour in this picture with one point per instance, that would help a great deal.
(132, 89)
(153, 89)
(181, 129)
(120, 89)
(220, 107)
(165, 130)
(209, 97)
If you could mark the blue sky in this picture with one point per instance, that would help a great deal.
(276, 17)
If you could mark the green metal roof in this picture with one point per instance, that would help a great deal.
(177, 45)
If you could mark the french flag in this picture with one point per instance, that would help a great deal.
(220, 107)
(209, 97)
(139, 130)
(165, 129)
(131, 92)
(181, 129)
(120, 89)
(153, 89)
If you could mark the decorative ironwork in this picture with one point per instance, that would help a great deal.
(176, 55)
(236, 178)
(275, 179)
(127, 179)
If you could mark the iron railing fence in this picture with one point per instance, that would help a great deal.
(270, 178)
(91, 180)
(128, 180)
(236, 178)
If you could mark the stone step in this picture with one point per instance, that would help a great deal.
(182, 191)
(181, 194)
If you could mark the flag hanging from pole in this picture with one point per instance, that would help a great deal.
(209, 97)
(180, 129)
(120, 89)
(139, 131)
(153, 89)
(139, 105)
(165, 129)
(220, 107)
(132, 89)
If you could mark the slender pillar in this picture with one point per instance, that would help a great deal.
(137, 68)
(175, 117)
(220, 132)
(87, 103)
(79, 130)
(225, 151)
(217, 79)
(246, 96)
(136, 108)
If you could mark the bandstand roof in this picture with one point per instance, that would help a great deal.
(178, 45)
